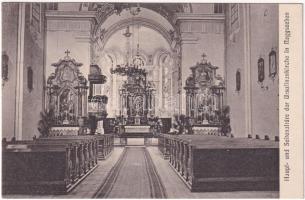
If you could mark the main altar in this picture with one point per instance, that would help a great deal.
(137, 95)
(136, 99)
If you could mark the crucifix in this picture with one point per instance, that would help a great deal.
(204, 60)
(67, 52)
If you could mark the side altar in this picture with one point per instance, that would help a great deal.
(204, 98)
(67, 98)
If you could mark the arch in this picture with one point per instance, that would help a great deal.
(135, 21)
(159, 53)
(106, 10)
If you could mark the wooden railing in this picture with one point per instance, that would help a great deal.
(215, 163)
(53, 164)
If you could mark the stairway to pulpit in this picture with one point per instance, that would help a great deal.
(133, 176)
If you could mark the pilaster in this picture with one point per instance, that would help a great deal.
(19, 80)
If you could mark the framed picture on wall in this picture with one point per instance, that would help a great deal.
(30, 78)
(5, 60)
(261, 70)
(238, 80)
(272, 64)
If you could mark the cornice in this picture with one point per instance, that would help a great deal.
(198, 17)
(85, 15)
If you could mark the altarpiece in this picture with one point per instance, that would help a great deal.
(204, 94)
(67, 97)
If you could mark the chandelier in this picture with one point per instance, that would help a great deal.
(133, 65)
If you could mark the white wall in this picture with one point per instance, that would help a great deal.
(200, 37)
(23, 123)
(9, 46)
(263, 35)
(66, 34)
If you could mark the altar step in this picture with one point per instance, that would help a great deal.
(135, 142)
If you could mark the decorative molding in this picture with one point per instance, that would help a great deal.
(86, 15)
(202, 27)
(68, 25)
(189, 40)
(82, 37)
(198, 17)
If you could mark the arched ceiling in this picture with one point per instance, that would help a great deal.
(146, 18)
(166, 10)
(150, 41)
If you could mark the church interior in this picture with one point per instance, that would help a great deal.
(140, 100)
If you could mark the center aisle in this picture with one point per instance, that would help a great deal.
(134, 176)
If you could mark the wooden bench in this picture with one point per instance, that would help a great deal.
(37, 168)
(48, 165)
(164, 145)
(214, 163)
(105, 145)
(87, 151)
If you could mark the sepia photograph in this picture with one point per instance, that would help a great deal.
(143, 100)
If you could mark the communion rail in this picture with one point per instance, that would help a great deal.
(214, 163)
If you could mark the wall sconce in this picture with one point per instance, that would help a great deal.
(5, 60)
(238, 80)
(30, 79)
(272, 64)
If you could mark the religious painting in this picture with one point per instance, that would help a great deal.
(261, 70)
(272, 64)
(30, 78)
(5, 60)
(238, 80)
(138, 105)
(67, 74)
(67, 107)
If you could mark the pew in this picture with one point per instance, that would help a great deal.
(105, 145)
(37, 168)
(213, 163)
(53, 165)
(87, 151)
(163, 146)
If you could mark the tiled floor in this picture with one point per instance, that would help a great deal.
(175, 188)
